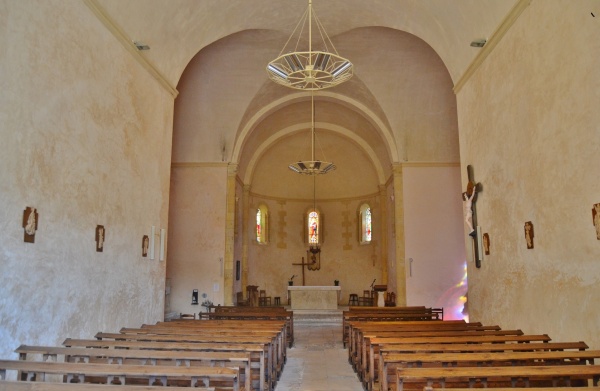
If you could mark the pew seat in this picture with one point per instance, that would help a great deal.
(123, 374)
(505, 376)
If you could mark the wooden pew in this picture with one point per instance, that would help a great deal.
(369, 351)
(247, 328)
(8, 385)
(474, 348)
(143, 357)
(261, 314)
(363, 368)
(234, 323)
(225, 308)
(348, 326)
(387, 316)
(215, 330)
(417, 378)
(512, 389)
(276, 350)
(359, 334)
(353, 328)
(258, 353)
(392, 361)
(164, 374)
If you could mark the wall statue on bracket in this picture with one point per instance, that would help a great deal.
(30, 224)
(596, 219)
(529, 234)
(486, 243)
(100, 235)
(145, 245)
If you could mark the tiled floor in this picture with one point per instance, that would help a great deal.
(318, 361)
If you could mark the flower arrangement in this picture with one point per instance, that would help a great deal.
(291, 280)
(206, 303)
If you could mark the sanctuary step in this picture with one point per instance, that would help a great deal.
(318, 317)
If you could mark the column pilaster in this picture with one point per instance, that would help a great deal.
(245, 235)
(229, 234)
(399, 233)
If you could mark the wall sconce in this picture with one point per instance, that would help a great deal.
(479, 43)
(140, 45)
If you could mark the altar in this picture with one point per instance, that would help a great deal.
(314, 297)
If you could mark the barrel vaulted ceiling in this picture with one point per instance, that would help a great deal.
(399, 105)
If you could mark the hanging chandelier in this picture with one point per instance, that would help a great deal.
(312, 166)
(309, 70)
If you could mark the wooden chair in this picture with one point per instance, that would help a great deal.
(366, 299)
(187, 316)
(240, 301)
(390, 299)
(353, 300)
(263, 299)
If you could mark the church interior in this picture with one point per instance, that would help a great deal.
(146, 153)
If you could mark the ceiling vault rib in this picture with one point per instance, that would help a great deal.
(130, 46)
(494, 39)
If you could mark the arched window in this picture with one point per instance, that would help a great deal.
(313, 227)
(365, 224)
(262, 229)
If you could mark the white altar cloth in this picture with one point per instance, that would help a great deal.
(314, 297)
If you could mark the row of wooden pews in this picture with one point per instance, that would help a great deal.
(266, 313)
(404, 354)
(381, 314)
(208, 354)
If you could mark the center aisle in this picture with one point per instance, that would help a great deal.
(318, 361)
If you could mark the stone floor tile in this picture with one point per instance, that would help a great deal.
(318, 361)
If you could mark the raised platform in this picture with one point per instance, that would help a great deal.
(314, 297)
(319, 317)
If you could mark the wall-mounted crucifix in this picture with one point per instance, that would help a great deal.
(469, 202)
(302, 264)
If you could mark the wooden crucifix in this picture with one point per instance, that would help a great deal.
(469, 199)
(302, 264)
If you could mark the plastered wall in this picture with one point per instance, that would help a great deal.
(86, 139)
(197, 239)
(435, 251)
(529, 125)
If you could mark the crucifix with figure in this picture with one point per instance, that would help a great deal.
(302, 264)
(469, 199)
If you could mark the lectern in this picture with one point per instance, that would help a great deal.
(380, 289)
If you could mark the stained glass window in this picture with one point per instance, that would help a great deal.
(262, 228)
(366, 223)
(313, 227)
(258, 225)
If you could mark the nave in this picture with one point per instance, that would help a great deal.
(271, 348)
(318, 360)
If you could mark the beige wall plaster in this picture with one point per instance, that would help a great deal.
(434, 237)
(529, 126)
(87, 139)
(197, 216)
